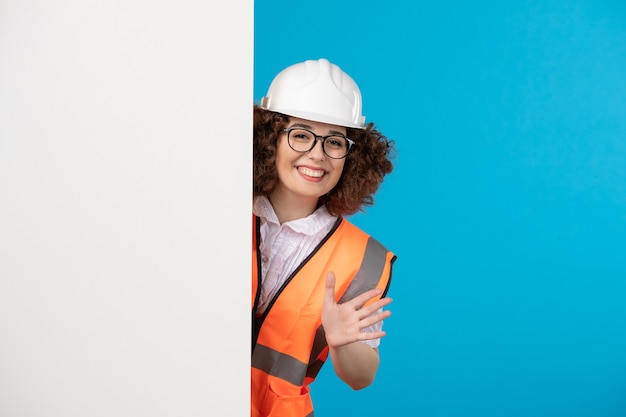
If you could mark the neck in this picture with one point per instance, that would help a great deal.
(288, 209)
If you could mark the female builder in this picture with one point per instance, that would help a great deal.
(318, 282)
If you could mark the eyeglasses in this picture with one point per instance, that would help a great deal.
(303, 140)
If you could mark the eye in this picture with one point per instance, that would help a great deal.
(336, 142)
(301, 135)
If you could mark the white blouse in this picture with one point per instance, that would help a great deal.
(284, 246)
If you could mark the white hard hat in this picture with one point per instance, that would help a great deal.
(317, 91)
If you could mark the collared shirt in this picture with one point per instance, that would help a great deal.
(284, 247)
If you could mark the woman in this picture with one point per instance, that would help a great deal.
(319, 282)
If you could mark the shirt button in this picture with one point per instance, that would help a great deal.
(264, 259)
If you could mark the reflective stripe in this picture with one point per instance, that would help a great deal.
(370, 271)
(279, 364)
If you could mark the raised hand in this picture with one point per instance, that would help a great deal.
(343, 322)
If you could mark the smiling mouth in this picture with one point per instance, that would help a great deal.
(315, 173)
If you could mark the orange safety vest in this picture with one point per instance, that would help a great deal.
(288, 342)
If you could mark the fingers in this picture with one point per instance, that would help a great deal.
(374, 318)
(372, 308)
(358, 301)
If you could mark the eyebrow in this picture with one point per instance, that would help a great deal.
(309, 127)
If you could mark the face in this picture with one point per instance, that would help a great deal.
(307, 176)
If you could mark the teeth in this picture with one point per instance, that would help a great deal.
(311, 172)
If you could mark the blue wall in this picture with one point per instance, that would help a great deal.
(507, 207)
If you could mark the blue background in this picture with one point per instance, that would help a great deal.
(507, 207)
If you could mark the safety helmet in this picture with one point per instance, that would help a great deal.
(316, 90)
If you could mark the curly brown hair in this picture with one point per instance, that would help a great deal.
(367, 163)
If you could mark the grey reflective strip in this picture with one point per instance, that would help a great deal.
(279, 364)
(369, 272)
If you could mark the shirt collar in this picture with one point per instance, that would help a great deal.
(312, 224)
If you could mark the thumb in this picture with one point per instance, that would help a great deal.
(329, 294)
